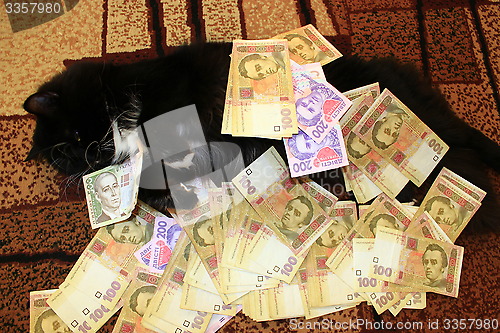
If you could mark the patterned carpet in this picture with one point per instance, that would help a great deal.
(44, 219)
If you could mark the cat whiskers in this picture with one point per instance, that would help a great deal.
(55, 160)
(97, 157)
(72, 182)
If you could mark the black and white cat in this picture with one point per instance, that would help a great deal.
(87, 114)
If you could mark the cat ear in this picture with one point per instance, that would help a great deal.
(41, 103)
(33, 154)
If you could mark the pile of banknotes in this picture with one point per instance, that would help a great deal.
(268, 244)
(271, 242)
(267, 82)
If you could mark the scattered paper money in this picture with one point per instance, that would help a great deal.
(268, 243)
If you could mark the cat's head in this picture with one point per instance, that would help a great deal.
(73, 125)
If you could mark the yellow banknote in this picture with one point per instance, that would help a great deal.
(306, 45)
(390, 128)
(285, 301)
(374, 166)
(42, 317)
(136, 300)
(81, 312)
(383, 295)
(341, 261)
(256, 305)
(362, 187)
(413, 300)
(262, 89)
(96, 280)
(270, 257)
(227, 116)
(198, 276)
(370, 89)
(164, 310)
(282, 203)
(323, 286)
(310, 311)
(449, 206)
(425, 226)
(197, 299)
(422, 263)
(463, 184)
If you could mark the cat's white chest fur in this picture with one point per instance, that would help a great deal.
(125, 142)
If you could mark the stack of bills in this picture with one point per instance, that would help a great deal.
(268, 244)
(318, 145)
(260, 82)
(387, 145)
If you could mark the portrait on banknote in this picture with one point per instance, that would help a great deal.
(203, 232)
(401, 138)
(107, 193)
(173, 234)
(382, 220)
(310, 107)
(258, 66)
(307, 45)
(435, 261)
(387, 129)
(303, 147)
(111, 192)
(356, 147)
(137, 298)
(297, 214)
(303, 47)
(334, 235)
(49, 322)
(445, 211)
(131, 231)
(140, 298)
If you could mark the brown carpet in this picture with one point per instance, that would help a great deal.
(44, 220)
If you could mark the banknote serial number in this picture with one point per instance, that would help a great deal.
(33, 7)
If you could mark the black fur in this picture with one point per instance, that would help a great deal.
(75, 110)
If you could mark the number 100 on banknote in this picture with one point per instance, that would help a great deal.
(397, 134)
